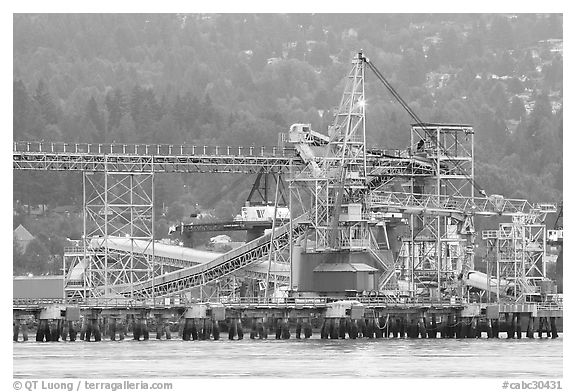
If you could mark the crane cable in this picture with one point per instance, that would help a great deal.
(415, 117)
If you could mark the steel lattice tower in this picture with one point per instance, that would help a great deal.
(118, 207)
(337, 185)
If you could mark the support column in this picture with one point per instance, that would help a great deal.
(298, 328)
(96, 330)
(285, 329)
(145, 332)
(400, 321)
(489, 331)
(370, 329)
(262, 329)
(83, 328)
(518, 325)
(362, 328)
(540, 326)
(509, 326)
(215, 330)
(254, 332)
(136, 328)
(422, 327)
(553, 327)
(333, 329)
(232, 329)
(24, 329)
(41, 331)
(378, 332)
(15, 329)
(159, 326)
(434, 330)
(496, 328)
(473, 329)
(122, 327)
(239, 329)
(341, 327)
(112, 328)
(194, 329)
(353, 332)
(530, 329)
(324, 329)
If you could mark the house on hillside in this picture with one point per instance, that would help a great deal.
(65, 210)
(22, 237)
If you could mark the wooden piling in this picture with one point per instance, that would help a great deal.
(458, 327)
(530, 328)
(509, 326)
(145, 332)
(40, 330)
(353, 331)
(24, 329)
(232, 329)
(298, 328)
(401, 328)
(239, 329)
(362, 329)
(518, 326)
(64, 333)
(253, 331)
(83, 328)
(136, 328)
(553, 327)
(474, 328)
(378, 332)
(434, 328)
(159, 327)
(262, 330)
(369, 329)
(333, 329)
(112, 328)
(285, 329)
(343, 328)
(324, 329)
(122, 327)
(496, 328)
(15, 330)
(540, 326)
(216, 330)
(422, 327)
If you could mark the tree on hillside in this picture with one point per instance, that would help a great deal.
(48, 107)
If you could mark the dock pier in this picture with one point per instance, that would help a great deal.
(286, 318)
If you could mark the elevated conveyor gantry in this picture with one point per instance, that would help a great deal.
(228, 263)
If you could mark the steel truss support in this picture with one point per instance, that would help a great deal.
(520, 255)
(118, 205)
(438, 248)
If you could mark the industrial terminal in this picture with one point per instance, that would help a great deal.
(342, 241)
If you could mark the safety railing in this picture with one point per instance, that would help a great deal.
(150, 149)
(167, 302)
(100, 302)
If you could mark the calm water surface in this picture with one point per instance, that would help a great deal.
(400, 358)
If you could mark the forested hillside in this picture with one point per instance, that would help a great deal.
(243, 79)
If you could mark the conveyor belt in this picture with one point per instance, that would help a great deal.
(235, 260)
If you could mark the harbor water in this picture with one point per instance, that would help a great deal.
(365, 358)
